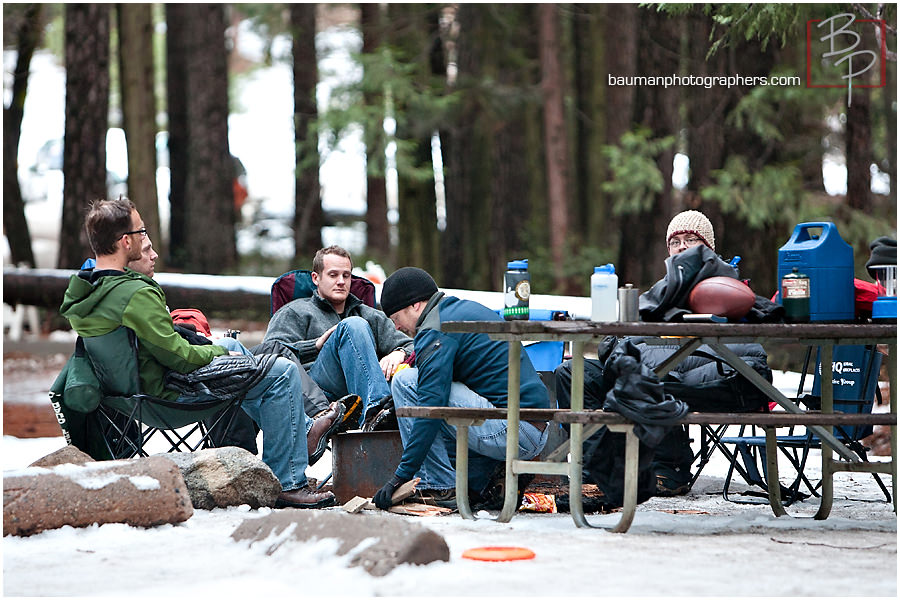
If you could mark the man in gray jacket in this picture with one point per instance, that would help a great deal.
(347, 346)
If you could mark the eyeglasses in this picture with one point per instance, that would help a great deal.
(142, 231)
(690, 242)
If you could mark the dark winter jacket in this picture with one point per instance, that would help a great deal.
(226, 377)
(667, 299)
(705, 382)
(473, 359)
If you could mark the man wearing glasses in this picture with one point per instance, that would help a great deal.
(99, 301)
(690, 231)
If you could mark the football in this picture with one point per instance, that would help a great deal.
(722, 296)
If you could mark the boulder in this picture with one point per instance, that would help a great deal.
(143, 492)
(396, 541)
(227, 476)
(68, 454)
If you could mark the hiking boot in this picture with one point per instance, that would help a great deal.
(352, 410)
(443, 498)
(384, 420)
(323, 427)
(666, 486)
(380, 416)
(304, 498)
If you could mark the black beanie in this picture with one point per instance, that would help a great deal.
(884, 252)
(405, 287)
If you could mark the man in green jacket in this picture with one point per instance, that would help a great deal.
(112, 296)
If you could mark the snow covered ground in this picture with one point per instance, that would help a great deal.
(696, 545)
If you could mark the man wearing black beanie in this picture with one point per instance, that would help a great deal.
(452, 369)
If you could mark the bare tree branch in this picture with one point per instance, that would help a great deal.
(891, 56)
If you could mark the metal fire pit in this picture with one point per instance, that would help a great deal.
(362, 462)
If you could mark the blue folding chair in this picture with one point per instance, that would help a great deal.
(855, 390)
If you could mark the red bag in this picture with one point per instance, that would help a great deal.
(865, 294)
(192, 319)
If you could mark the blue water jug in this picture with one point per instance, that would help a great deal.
(818, 251)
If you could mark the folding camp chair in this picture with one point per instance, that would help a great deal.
(128, 419)
(855, 381)
(298, 284)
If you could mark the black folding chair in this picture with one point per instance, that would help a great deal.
(128, 419)
(855, 381)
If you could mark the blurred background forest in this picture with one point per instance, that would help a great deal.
(486, 133)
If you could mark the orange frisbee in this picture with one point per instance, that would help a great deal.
(498, 553)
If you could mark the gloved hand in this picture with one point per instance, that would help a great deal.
(382, 498)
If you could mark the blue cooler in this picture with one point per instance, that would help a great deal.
(817, 251)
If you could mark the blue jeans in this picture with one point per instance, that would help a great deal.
(276, 405)
(348, 364)
(487, 442)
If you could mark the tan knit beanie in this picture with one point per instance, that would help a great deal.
(692, 221)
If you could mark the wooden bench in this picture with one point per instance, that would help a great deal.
(557, 464)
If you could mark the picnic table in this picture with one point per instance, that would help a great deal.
(689, 337)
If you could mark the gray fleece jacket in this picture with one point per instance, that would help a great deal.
(299, 323)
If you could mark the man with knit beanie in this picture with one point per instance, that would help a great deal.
(673, 457)
(688, 229)
(452, 369)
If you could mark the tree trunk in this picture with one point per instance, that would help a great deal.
(706, 110)
(139, 112)
(377, 230)
(622, 25)
(308, 218)
(555, 138)
(209, 216)
(415, 32)
(178, 32)
(889, 101)
(87, 108)
(590, 210)
(494, 168)
(757, 247)
(642, 241)
(859, 151)
(465, 161)
(14, 224)
(417, 225)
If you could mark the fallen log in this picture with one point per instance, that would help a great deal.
(216, 296)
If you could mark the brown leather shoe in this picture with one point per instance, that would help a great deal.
(304, 498)
(322, 428)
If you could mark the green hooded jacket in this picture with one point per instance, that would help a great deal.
(137, 302)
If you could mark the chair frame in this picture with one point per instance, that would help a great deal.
(794, 447)
(121, 445)
(149, 415)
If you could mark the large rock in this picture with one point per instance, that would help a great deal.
(228, 476)
(143, 492)
(66, 455)
(396, 540)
